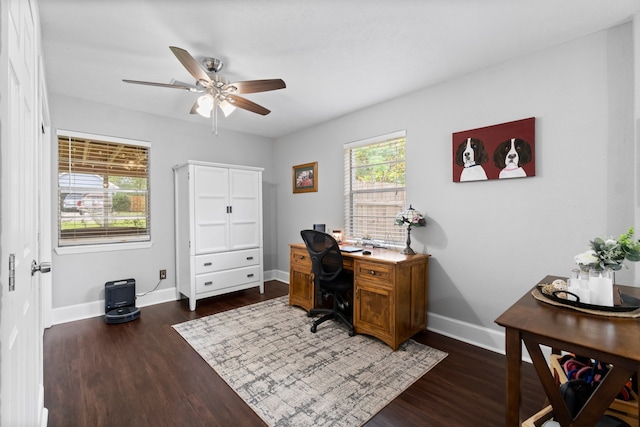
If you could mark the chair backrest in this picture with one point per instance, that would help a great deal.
(326, 259)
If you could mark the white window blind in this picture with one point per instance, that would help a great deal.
(374, 193)
(103, 190)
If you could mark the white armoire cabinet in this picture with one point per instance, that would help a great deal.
(218, 213)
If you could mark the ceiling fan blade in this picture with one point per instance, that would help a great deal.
(253, 86)
(189, 62)
(245, 104)
(176, 85)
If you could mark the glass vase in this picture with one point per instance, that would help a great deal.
(579, 285)
(601, 287)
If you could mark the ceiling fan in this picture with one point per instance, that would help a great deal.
(217, 91)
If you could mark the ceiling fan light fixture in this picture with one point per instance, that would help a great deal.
(205, 105)
(226, 107)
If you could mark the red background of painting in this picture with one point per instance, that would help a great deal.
(491, 136)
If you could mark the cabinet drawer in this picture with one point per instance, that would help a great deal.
(226, 279)
(374, 272)
(226, 260)
(301, 259)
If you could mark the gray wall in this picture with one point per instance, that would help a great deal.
(492, 241)
(80, 278)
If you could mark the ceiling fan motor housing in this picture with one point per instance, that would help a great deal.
(213, 65)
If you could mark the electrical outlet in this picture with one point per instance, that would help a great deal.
(163, 274)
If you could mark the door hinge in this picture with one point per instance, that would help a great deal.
(12, 272)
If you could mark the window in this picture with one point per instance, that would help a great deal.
(103, 190)
(374, 178)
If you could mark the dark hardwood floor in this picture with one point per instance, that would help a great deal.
(142, 373)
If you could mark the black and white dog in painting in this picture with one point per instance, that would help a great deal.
(510, 155)
(471, 154)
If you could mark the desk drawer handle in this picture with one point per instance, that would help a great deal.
(208, 283)
(207, 264)
(249, 258)
(250, 275)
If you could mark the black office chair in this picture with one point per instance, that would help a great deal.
(330, 278)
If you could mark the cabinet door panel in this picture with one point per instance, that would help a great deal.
(373, 310)
(245, 209)
(211, 199)
(301, 289)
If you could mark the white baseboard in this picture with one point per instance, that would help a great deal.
(282, 276)
(271, 275)
(479, 336)
(96, 308)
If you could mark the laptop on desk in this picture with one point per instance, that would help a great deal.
(350, 249)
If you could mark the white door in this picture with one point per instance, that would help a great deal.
(211, 204)
(21, 398)
(246, 205)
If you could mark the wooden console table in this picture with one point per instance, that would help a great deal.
(608, 339)
(390, 291)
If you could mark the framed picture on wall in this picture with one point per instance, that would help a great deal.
(500, 151)
(305, 178)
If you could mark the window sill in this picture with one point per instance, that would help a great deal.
(85, 249)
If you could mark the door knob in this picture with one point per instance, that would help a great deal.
(43, 267)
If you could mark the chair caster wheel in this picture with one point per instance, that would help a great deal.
(352, 333)
(314, 328)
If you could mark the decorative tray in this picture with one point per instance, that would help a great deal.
(623, 302)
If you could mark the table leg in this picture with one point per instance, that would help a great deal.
(513, 349)
(560, 410)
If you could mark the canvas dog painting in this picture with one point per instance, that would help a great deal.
(510, 155)
(495, 152)
(471, 154)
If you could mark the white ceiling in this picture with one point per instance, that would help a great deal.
(336, 56)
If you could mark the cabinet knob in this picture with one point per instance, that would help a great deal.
(373, 273)
(301, 256)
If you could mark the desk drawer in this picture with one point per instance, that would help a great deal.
(373, 272)
(301, 259)
(227, 279)
(347, 263)
(226, 260)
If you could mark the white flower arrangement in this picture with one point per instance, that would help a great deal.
(610, 253)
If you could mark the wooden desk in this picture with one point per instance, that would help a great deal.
(611, 340)
(390, 291)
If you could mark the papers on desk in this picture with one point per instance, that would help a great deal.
(350, 249)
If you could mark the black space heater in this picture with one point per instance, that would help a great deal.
(120, 301)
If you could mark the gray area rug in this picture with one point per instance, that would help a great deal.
(291, 377)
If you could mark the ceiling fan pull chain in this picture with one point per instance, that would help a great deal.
(215, 116)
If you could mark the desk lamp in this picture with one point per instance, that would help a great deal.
(412, 218)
